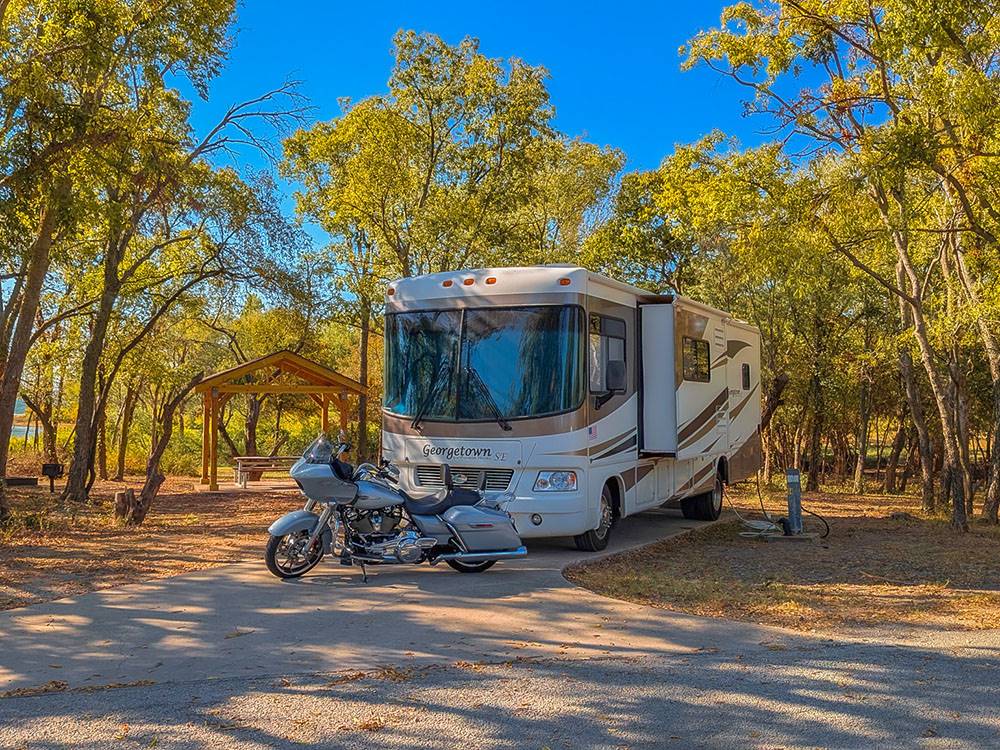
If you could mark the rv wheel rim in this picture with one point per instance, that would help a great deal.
(602, 530)
(717, 495)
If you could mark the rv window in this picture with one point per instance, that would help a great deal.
(746, 377)
(607, 343)
(696, 359)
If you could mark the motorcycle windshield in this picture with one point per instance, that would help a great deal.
(320, 451)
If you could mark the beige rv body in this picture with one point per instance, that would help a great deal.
(665, 438)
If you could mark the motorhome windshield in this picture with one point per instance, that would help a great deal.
(484, 364)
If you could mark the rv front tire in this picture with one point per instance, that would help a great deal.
(704, 507)
(597, 539)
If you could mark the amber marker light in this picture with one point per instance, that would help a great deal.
(491, 279)
(447, 282)
(563, 282)
(469, 282)
(390, 291)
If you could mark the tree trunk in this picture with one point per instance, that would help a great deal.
(992, 503)
(366, 316)
(137, 510)
(250, 434)
(13, 366)
(898, 442)
(250, 431)
(925, 450)
(83, 447)
(991, 344)
(962, 430)
(859, 466)
(773, 399)
(946, 408)
(768, 450)
(128, 410)
(102, 445)
(815, 433)
(43, 413)
(908, 278)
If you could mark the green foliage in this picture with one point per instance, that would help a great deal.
(456, 166)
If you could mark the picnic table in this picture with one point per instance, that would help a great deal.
(247, 465)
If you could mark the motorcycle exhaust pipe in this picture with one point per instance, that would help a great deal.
(509, 554)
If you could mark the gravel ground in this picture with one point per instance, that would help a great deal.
(774, 695)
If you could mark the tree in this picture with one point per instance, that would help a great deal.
(897, 100)
(73, 77)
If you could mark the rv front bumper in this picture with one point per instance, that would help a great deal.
(548, 516)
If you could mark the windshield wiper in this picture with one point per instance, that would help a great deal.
(425, 405)
(484, 389)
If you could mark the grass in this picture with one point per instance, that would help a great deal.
(47, 553)
(883, 566)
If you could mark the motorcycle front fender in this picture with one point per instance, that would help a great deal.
(300, 520)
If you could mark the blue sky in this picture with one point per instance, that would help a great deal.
(615, 73)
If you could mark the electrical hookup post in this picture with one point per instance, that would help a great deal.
(793, 479)
(791, 525)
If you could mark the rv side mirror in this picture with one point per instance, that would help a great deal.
(614, 377)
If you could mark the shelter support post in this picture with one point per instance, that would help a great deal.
(213, 442)
(325, 415)
(205, 419)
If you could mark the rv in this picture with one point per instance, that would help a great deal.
(582, 398)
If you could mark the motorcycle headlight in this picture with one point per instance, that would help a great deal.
(555, 481)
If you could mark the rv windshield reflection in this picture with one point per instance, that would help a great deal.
(529, 362)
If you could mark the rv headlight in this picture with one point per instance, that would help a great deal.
(555, 481)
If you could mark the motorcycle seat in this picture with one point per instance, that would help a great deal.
(438, 502)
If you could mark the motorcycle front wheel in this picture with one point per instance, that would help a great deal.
(286, 557)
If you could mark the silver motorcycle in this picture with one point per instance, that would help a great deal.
(363, 516)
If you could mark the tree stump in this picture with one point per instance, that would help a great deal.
(125, 505)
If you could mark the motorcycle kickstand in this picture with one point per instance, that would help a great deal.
(364, 572)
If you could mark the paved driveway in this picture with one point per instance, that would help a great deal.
(422, 657)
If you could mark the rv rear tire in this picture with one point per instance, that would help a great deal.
(704, 507)
(597, 539)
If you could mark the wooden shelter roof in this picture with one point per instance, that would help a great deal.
(318, 378)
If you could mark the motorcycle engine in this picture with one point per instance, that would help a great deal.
(383, 535)
(384, 521)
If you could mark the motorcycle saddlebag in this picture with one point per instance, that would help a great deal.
(483, 529)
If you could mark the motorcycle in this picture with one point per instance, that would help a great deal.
(362, 515)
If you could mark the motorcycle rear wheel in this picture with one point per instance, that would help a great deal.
(465, 567)
(281, 564)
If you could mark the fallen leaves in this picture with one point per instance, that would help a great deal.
(876, 570)
(52, 686)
